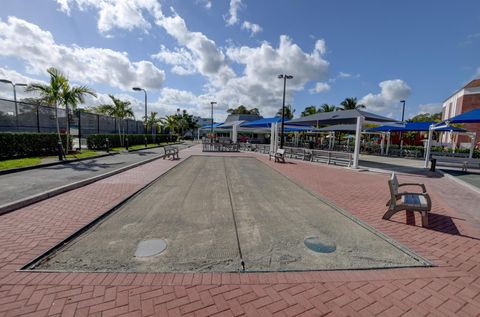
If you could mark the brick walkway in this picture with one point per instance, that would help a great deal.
(452, 287)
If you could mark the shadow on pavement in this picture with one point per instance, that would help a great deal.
(82, 166)
(419, 171)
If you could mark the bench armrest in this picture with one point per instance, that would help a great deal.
(424, 189)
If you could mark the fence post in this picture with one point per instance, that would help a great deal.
(115, 124)
(79, 130)
(98, 124)
(38, 119)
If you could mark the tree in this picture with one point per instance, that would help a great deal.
(171, 123)
(243, 110)
(308, 111)
(153, 121)
(288, 112)
(60, 93)
(350, 104)
(327, 108)
(426, 117)
(120, 109)
(71, 97)
(51, 94)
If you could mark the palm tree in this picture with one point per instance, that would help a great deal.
(72, 96)
(120, 109)
(327, 108)
(288, 112)
(52, 94)
(350, 104)
(153, 121)
(308, 111)
(171, 122)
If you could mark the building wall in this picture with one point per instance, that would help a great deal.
(451, 108)
(470, 102)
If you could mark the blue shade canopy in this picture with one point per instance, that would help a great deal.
(339, 117)
(466, 117)
(298, 128)
(262, 123)
(413, 127)
(209, 126)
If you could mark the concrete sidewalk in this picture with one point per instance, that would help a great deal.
(17, 186)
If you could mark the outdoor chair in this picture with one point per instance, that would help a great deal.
(171, 151)
(408, 201)
(279, 156)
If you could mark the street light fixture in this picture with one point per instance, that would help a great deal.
(211, 127)
(284, 77)
(141, 89)
(14, 85)
(403, 118)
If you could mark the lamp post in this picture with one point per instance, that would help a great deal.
(14, 85)
(403, 117)
(211, 127)
(141, 89)
(284, 77)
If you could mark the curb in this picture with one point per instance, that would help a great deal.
(26, 168)
(59, 190)
(459, 181)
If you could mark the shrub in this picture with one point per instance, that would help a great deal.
(16, 145)
(98, 141)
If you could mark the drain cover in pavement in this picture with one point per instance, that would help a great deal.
(316, 244)
(150, 247)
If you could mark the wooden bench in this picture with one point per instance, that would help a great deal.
(171, 151)
(279, 155)
(464, 163)
(407, 201)
(331, 157)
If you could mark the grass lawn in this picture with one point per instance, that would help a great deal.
(22, 162)
(32, 161)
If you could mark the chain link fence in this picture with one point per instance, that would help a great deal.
(24, 117)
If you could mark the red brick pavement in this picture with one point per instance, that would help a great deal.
(450, 288)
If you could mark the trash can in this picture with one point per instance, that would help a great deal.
(433, 164)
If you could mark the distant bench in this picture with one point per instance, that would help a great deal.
(171, 151)
(464, 163)
(332, 157)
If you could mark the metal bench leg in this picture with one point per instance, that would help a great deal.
(425, 219)
(389, 214)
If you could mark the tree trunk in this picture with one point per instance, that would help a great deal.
(68, 128)
(58, 130)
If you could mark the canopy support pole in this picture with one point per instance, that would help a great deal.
(473, 140)
(272, 138)
(382, 144)
(234, 133)
(358, 135)
(388, 143)
(429, 144)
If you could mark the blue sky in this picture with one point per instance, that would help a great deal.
(187, 53)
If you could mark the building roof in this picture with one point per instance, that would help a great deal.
(474, 83)
(263, 123)
(339, 117)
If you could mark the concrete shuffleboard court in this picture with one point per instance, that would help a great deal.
(212, 213)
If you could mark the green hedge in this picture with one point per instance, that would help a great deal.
(98, 141)
(16, 145)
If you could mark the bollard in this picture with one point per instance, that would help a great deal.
(59, 150)
(126, 143)
(433, 165)
(107, 145)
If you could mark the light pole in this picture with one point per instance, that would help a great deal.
(141, 89)
(284, 77)
(14, 85)
(403, 117)
(211, 127)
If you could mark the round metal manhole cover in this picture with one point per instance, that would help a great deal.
(317, 244)
(150, 247)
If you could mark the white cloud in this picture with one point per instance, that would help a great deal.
(206, 3)
(251, 27)
(320, 87)
(207, 58)
(123, 14)
(38, 49)
(392, 91)
(235, 6)
(181, 60)
(429, 108)
(6, 90)
(344, 75)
